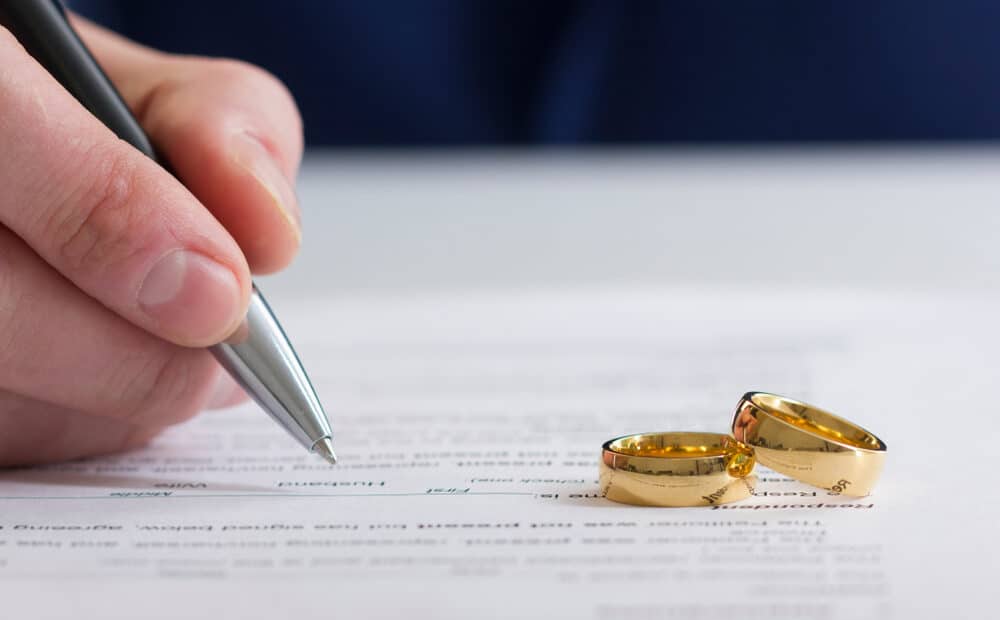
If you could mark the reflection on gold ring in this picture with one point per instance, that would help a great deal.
(676, 469)
(809, 444)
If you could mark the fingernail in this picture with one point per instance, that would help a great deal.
(191, 297)
(250, 153)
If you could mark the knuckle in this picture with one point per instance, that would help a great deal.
(91, 229)
(253, 80)
(159, 389)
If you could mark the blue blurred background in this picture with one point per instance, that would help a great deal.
(468, 72)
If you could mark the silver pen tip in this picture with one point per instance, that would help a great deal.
(324, 448)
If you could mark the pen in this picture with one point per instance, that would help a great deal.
(259, 356)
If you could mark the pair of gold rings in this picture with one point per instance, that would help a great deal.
(703, 469)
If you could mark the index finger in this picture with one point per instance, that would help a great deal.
(230, 131)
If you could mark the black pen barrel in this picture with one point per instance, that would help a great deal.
(42, 28)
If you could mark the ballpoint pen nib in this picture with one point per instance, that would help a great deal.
(324, 448)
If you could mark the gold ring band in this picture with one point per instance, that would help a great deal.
(676, 469)
(809, 444)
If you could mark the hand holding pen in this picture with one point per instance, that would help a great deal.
(113, 273)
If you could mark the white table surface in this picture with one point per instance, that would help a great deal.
(918, 220)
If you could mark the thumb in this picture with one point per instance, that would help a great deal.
(108, 218)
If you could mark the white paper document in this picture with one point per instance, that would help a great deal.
(469, 430)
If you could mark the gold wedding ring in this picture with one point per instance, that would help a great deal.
(809, 444)
(676, 469)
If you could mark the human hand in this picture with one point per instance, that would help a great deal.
(113, 275)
